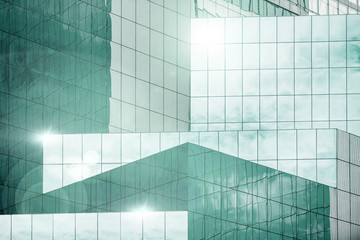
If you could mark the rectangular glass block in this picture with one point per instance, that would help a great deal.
(267, 141)
(302, 81)
(250, 109)
(216, 58)
(154, 225)
(150, 144)
(353, 31)
(130, 147)
(233, 30)
(267, 56)
(199, 110)
(288, 166)
(326, 172)
(285, 55)
(268, 108)
(228, 143)
(287, 144)
(285, 29)
(307, 169)
(248, 145)
(320, 28)
(250, 82)
(233, 83)
(210, 140)
(251, 30)
(42, 226)
(233, 109)
(111, 148)
(92, 148)
(286, 108)
(198, 57)
(337, 109)
(326, 143)
(52, 175)
(251, 55)
(72, 173)
(320, 55)
(52, 145)
(5, 226)
(198, 31)
(338, 28)
(72, 148)
(216, 83)
(64, 226)
(191, 137)
(21, 227)
(86, 226)
(199, 83)
(131, 225)
(233, 56)
(169, 140)
(353, 54)
(268, 82)
(353, 84)
(216, 109)
(306, 144)
(302, 55)
(302, 29)
(337, 54)
(286, 81)
(109, 226)
(268, 29)
(176, 225)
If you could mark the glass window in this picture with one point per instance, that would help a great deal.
(267, 56)
(199, 31)
(251, 109)
(267, 145)
(320, 107)
(131, 225)
(130, 147)
(42, 226)
(267, 82)
(285, 81)
(198, 83)
(326, 172)
(302, 55)
(337, 54)
(176, 225)
(306, 144)
(338, 28)
(169, 140)
(216, 57)
(191, 137)
(353, 76)
(285, 108)
(248, 145)
(251, 56)
(302, 81)
(250, 82)
(156, 17)
(338, 80)
(86, 226)
(52, 176)
(142, 38)
(228, 143)
(5, 226)
(216, 30)
(302, 108)
(233, 109)
(198, 110)
(72, 148)
(72, 173)
(288, 166)
(92, 148)
(353, 30)
(216, 109)
(111, 147)
(52, 149)
(307, 169)
(233, 56)
(109, 226)
(268, 29)
(287, 144)
(64, 226)
(170, 27)
(326, 143)
(233, 83)
(209, 140)
(285, 55)
(353, 54)
(320, 55)
(21, 227)
(216, 83)
(233, 30)
(128, 33)
(128, 61)
(128, 89)
(250, 30)
(285, 29)
(267, 108)
(198, 57)
(353, 107)
(150, 144)
(154, 225)
(302, 29)
(156, 98)
(320, 81)
(320, 28)
(170, 54)
(337, 107)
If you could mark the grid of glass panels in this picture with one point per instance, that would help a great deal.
(94, 226)
(307, 153)
(276, 73)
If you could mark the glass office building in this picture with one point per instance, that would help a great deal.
(175, 119)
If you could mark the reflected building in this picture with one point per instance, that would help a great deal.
(175, 119)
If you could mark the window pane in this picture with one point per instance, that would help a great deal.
(21, 227)
(285, 29)
(216, 83)
(216, 109)
(86, 226)
(268, 29)
(92, 148)
(52, 149)
(154, 225)
(198, 83)
(233, 83)
(251, 30)
(268, 108)
(72, 148)
(306, 144)
(42, 226)
(287, 144)
(233, 56)
(248, 145)
(111, 147)
(130, 147)
(109, 226)
(320, 28)
(131, 225)
(233, 109)
(198, 110)
(267, 145)
(251, 82)
(176, 225)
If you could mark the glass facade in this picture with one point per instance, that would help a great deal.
(131, 112)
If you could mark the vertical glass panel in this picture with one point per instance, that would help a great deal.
(86, 226)
(64, 226)
(92, 148)
(198, 110)
(353, 54)
(251, 56)
(302, 81)
(267, 56)
(302, 55)
(251, 109)
(216, 109)
(285, 55)
(111, 148)
(72, 148)
(268, 29)
(248, 145)
(233, 109)
(353, 76)
(216, 57)
(267, 145)
(109, 226)
(320, 55)
(131, 225)
(216, 30)
(287, 144)
(306, 144)
(198, 83)
(130, 147)
(21, 227)
(42, 226)
(326, 172)
(52, 176)
(354, 107)
(302, 29)
(307, 169)
(288, 166)
(285, 108)
(326, 144)
(285, 81)
(52, 149)
(154, 225)
(209, 140)
(302, 108)
(337, 107)
(320, 28)
(71, 173)
(233, 56)
(337, 54)
(176, 225)
(233, 83)
(216, 83)
(267, 108)
(169, 140)
(150, 144)
(338, 28)
(228, 143)
(320, 81)
(233, 30)
(199, 31)
(251, 82)
(353, 30)
(5, 226)
(338, 80)
(250, 30)
(191, 137)
(285, 29)
(320, 107)
(268, 82)
(198, 57)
